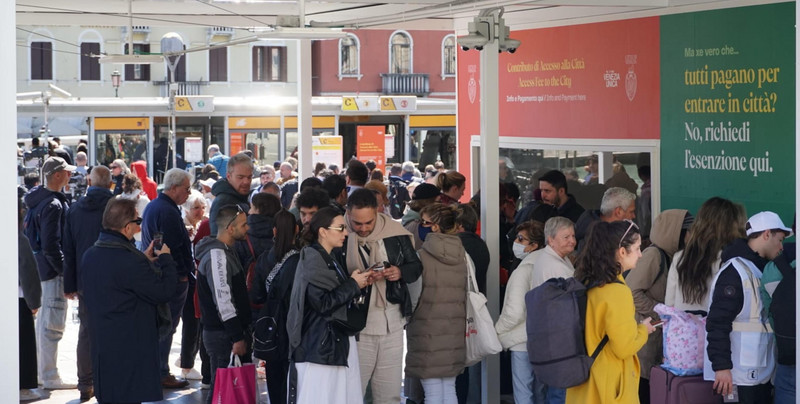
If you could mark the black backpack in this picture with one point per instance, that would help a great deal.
(398, 198)
(555, 323)
(270, 339)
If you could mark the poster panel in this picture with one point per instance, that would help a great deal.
(728, 108)
(371, 144)
(327, 149)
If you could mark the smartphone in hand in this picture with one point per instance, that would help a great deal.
(158, 241)
(658, 323)
(378, 267)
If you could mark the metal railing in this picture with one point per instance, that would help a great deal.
(406, 84)
(184, 87)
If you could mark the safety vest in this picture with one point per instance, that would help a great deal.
(752, 342)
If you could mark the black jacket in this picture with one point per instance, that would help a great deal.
(259, 233)
(726, 303)
(84, 223)
(44, 224)
(783, 309)
(585, 221)
(401, 253)
(571, 210)
(280, 293)
(479, 253)
(224, 194)
(323, 342)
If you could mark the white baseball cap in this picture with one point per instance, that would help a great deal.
(763, 221)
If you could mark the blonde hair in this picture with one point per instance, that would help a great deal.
(378, 186)
(444, 216)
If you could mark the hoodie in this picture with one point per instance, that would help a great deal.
(726, 302)
(83, 225)
(648, 280)
(224, 194)
(148, 185)
(436, 345)
(222, 289)
(44, 224)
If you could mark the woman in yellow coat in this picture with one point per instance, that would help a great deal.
(610, 250)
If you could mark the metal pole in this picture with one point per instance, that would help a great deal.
(304, 121)
(490, 210)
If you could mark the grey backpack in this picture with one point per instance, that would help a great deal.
(555, 323)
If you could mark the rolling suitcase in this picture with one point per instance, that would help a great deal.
(666, 388)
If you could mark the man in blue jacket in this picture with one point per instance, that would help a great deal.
(47, 211)
(163, 215)
(84, 222)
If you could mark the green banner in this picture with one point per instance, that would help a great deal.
(728, 108)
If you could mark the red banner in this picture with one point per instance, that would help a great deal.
(370, 144)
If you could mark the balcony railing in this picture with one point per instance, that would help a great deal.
(406, 84)
(184, 87)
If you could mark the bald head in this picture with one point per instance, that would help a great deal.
(100, 177)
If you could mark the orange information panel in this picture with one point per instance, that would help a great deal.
(371, 144)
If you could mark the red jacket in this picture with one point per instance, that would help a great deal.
(148, 185)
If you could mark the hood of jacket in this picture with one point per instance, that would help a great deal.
(740, 248)
(260, 226)
(207, 244)
(39, 194)
(140, 169)
(224, 187)
(666, 230)
(446, 248)
(585, 221)
(95, 199)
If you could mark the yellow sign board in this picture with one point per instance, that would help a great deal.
(360, 103)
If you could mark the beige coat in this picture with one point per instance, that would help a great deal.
(436, 332)
(649, 287)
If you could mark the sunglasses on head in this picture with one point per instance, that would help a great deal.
(631, 226)
(239, 211)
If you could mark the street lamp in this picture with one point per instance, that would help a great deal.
(115, 79)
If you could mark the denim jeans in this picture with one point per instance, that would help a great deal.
(175, 309)
(784, 384)
(556, 396)
(522, 377)
(52, 319)
(440, 391)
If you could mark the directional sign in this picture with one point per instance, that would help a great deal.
(398, 103)
(360, 103)
(194, 103)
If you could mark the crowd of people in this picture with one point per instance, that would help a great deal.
(349, 265)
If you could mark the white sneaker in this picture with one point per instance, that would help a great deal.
(205, 386)
(178, 362)
(191, 374)
(58, 384)
(28, 395)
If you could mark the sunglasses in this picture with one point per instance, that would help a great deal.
(426, 223)
(340, 228)
(240, 211)
(138, 221)
(631, 226)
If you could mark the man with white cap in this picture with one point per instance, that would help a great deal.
(740, 349)
(46, 217)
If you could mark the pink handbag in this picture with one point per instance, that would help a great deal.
(684, 340)
(235, 384)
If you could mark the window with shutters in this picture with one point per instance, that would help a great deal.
(218, 64)
(400, 53)
(138, 72)
(449, 56)
(349, 55)
(269, 63)
(90, 65)
(41, 60)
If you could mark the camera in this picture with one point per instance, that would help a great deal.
(472, 41)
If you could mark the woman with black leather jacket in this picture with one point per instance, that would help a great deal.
(325, 365)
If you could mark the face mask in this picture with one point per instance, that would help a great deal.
(423, 232)
(519, 250)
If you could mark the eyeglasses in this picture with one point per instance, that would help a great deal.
(426, 223)
(632, 225)
(240, 211)
(340, 228)
(522, 239)
(138, 221)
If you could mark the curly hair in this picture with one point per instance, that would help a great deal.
(597, 263)
(718, 223)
